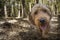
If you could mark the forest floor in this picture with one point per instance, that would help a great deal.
(16, 31)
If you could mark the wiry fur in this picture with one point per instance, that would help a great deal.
(40, 11)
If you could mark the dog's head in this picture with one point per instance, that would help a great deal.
(40, 15)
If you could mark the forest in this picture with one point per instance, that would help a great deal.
(15, 24)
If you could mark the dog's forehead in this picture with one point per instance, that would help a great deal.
(39, 6)
(42, 7)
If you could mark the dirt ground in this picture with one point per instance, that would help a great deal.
(16, 31)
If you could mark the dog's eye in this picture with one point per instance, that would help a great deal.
(45, 11)
(35, 13)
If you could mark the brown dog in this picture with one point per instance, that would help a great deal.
(40, 17)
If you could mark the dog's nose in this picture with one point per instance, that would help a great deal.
(42, 20)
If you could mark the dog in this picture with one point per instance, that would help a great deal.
(40, 17)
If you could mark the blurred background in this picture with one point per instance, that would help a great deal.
(14, 10)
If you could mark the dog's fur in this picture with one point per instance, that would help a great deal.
(40, 11)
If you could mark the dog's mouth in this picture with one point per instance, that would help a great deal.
(43, 26)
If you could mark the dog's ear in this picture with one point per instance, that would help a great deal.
(50, 11)
(31, 19)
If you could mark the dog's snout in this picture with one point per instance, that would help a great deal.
(42, 20)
